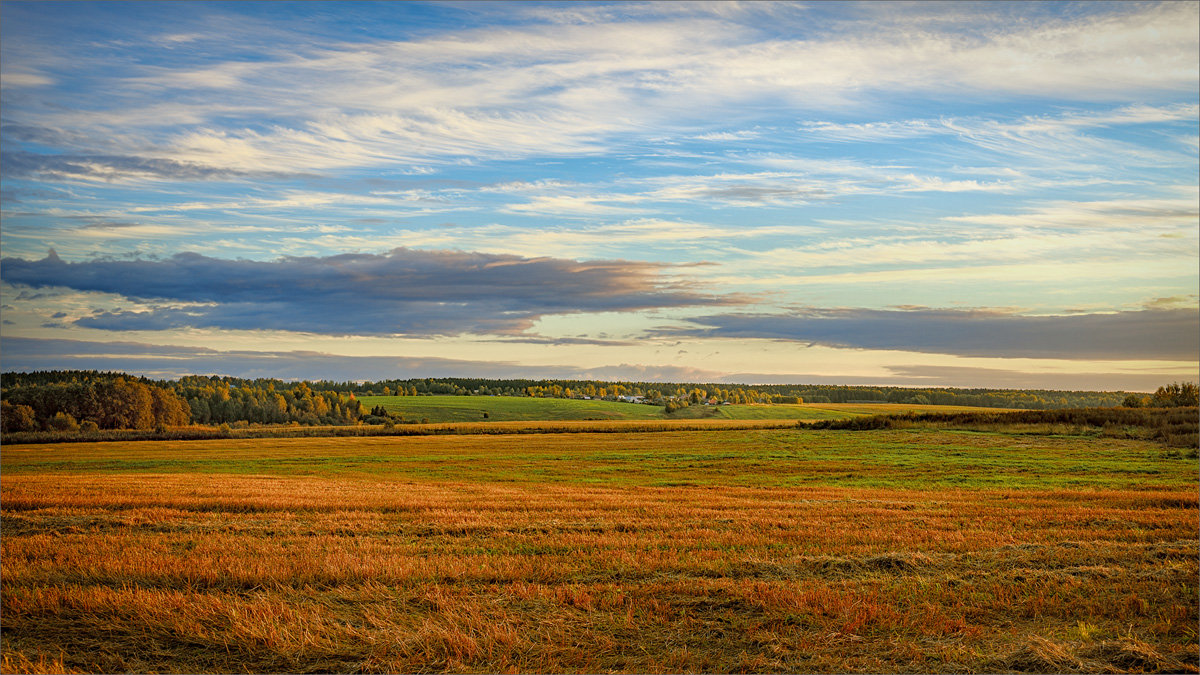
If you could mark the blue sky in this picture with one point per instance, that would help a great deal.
(976, 194)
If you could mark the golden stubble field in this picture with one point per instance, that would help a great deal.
(738, 550)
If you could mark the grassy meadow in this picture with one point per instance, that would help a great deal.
(508, 408)
(442, 409)
(725, 550)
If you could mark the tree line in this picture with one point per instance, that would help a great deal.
(1174, 395)
(221, 400)
(68, 400)
(90, 400)
(1175, 426)
(684, 393)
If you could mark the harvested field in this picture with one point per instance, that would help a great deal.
(732, 550)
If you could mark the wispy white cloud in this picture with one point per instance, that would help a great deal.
(573, 206)
(1025, 126)
(1154, 213)
(970, 254)
(573, 88)
(640, 238)
(524, 187)
(24, 78)
(1059, 140)
(729, 135)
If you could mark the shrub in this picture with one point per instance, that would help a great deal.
(1174, 427)
(17, 417)
(1176, 395)
(62, 422)
(1132, 401)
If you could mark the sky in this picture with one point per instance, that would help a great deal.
(930, 195)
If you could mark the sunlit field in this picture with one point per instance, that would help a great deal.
(511, 408)
(716, 550)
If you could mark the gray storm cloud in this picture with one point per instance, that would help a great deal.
(1169, 334)
(172, 361)
(403, 291)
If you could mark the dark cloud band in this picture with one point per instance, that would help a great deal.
(173, 361)
(1169, 334)
(108, 167)
(400, 292)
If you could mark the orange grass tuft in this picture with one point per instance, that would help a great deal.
(40, 664)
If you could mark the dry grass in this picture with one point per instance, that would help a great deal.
(404, 571)
(19, 663)
(203, 432)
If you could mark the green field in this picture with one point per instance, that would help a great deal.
(508, 408)
(908, 459)
(815, 411)
(437, 409)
